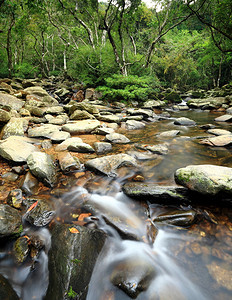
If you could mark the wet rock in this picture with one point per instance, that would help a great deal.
(184, 122)
(70, 141)
(154, 193)
(4, 116)
(59, 136)
(218, 141)
(170, 133)
(46, 144)
(81, 127)
(42, 166)
(102, 147)
(224, 118)
(132, 125)
(219, 132)
(109, 164)
(15, 198)
(177, 218)
(71, 263)
(11, 101)
(45, 131)
(41, 214)
(16, 149)
(133, 275)
(158, 149)
(10, 221)
(207, 126)
(21, 249)
(16, 126)
(205, 179)
(221, 275)
(6, 290)
(117, 138)
(30, 184)
(80, 147)
(68, 163)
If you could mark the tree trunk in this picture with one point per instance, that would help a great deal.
(8, 47)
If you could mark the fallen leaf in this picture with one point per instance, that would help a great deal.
(83, 216)
(74, 230)
(32, 206)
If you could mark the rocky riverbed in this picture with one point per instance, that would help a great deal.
(63, 148)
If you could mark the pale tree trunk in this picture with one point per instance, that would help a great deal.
(9, 47)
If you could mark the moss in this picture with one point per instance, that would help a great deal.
(71, 293)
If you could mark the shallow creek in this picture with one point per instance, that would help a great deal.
(184, 263)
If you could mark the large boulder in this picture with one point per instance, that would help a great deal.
(205, 179)
(42, 166)
(109, 164)
(11, 101)
(16, 149)
(71, 262)
(16, 126)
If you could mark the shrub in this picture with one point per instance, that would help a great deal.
(129, 88)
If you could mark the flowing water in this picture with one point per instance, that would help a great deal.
(175, 263)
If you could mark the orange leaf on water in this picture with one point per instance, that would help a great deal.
(32, 206)
(74, 230)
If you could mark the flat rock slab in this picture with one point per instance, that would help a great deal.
(16, 149)
(184, 122)
(224, 118)
(45, 131)
(157, 149)
(219, 132)
(154, 193)
(60, 136)
(11, 101)
(218, 141)
(117, 138)
(110, 118)
(205, 179)
(81, 127)
(42, 167)
(108, 164)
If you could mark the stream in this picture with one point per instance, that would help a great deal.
(176, 262)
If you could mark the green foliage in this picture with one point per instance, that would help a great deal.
(129, 88)
(71, 293)
(25, 70)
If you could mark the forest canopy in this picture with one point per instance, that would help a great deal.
(180, 43)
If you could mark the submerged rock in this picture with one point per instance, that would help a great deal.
(205, 179)
(71, 262)
(42, 166)
(158, 149)
(10, 221)
(177, 218)
(109, 164)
